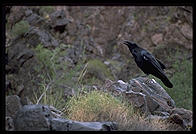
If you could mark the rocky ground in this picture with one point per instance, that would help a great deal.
(69, 47)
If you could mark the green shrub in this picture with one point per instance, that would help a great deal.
(20, 28)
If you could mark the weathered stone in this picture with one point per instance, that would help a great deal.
(93, 126)
(59, 124)
(182, 117)
(145, 94)
(33, 118)
(19, 53)
(35, 36)
(157, 38)
(59, 20)
(13, 104)
(40, 118)
(187, 31)
(9, 124)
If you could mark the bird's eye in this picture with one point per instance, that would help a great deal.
(134, 51)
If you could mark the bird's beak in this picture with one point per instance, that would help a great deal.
(125, 42)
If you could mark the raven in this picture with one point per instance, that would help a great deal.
(148, 63)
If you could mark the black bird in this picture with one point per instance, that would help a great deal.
(148, 63)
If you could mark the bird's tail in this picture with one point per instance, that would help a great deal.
(166, 81)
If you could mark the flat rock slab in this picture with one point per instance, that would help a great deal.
(40, 118)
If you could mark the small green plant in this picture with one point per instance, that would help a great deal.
(53, 73)
(20, 28)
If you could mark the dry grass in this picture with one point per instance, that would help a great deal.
(101, 106)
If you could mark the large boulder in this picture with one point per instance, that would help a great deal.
(150, 98)
(144, 94)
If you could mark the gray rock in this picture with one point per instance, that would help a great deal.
(40, 118)
(145, 94)
(33, 118)
(92, 126)
(13, 104)
(59, 124)
(35, 36)
(9, 124)
(18, 53)
(59, 20)
(37, 21)
(182, 117)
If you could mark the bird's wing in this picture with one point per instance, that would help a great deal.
(162, 65)
(148, 57)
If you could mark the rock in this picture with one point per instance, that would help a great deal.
(9, 124)
(18, 54)
(93, 126)
(187, 31)
(157, 38)
(33, 118)
(36, 20)
(55, 112)
(150, 98)
(13, 104)
(145, 94)
(40, 118)
(182, 117)
(68, 125)
(16, 14)
(35, 36)
(156, 117)
(59, 20)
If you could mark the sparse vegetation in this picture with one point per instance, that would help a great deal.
(20, 28)
(52, 80)
(45, 10)
(182, 93)
(96, 72)
(181, 79)
(102, 106)
(89, 53)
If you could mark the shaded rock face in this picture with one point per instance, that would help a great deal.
(182, 117)
(150, 98)
(33, 117)
(40, 118)
(93, 30)
(13, 104)
(9, 124)
(35, 36)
